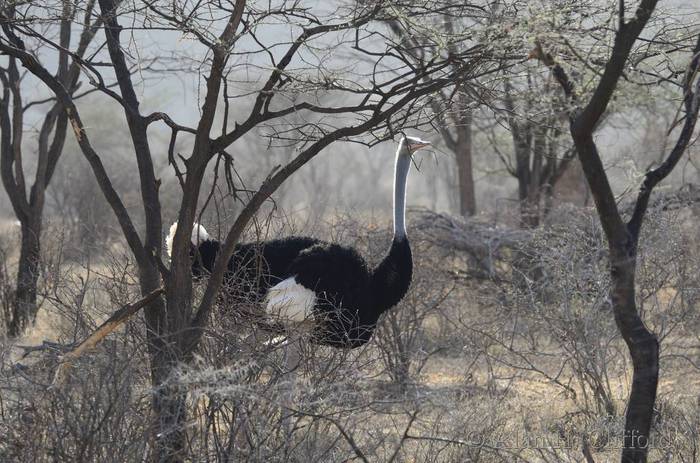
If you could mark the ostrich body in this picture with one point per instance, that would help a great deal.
(304, 281)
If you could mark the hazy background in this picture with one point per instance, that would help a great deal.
(345, 177)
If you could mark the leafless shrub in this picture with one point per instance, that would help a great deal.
(567, 340)
(98, 414)
(486, 248)
(470, 354)
(412, 332)
(93, 417)
(5, 290)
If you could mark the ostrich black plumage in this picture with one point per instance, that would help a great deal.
(303, 281)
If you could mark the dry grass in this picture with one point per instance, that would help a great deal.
(480, 387)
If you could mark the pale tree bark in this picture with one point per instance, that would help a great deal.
(465, 170)
(623, 236)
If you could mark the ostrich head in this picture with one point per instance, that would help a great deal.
(407, 147)
(410, 145)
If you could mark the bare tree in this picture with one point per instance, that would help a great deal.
(623, 235)
(452, 107)
(28, 200)
(539, 158)
(386, 94)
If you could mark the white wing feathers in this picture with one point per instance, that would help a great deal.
(289, 300)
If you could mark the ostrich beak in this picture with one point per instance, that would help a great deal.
(416, 145)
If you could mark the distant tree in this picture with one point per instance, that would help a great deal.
(623, 236)
(28, 200)
(74, 200)
(539, 158)
(529, 103)
(454, 25)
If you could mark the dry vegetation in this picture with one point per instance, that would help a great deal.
(485, 363)
(535, 342)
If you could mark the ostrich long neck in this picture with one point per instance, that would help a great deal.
(392, 277)
(403, 164)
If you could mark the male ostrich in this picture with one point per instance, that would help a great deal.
(305, 282)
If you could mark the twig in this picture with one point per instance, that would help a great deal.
(46, 346)
(348, 437)
(117, 319)
(404, 437)
(587, 451)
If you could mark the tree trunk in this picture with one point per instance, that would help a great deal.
(24, 307)
(169, 400)
(530, 211)
(623, 238)
(463, 152)
(170, 411)
(644, 350)
(521, 146)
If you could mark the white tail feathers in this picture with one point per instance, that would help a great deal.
(199, 234)
(169, 239)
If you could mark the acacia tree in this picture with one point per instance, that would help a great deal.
(538, 159)
(380, 92)
(623, 236)
(28, 200)
(452, 107)
(528, 104)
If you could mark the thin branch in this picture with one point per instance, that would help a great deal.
(625, 38)
(557, 70)
(404, 437)
(137, 128)
(117, 319)
(691, 102)
(347, 436)
(16, 49)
